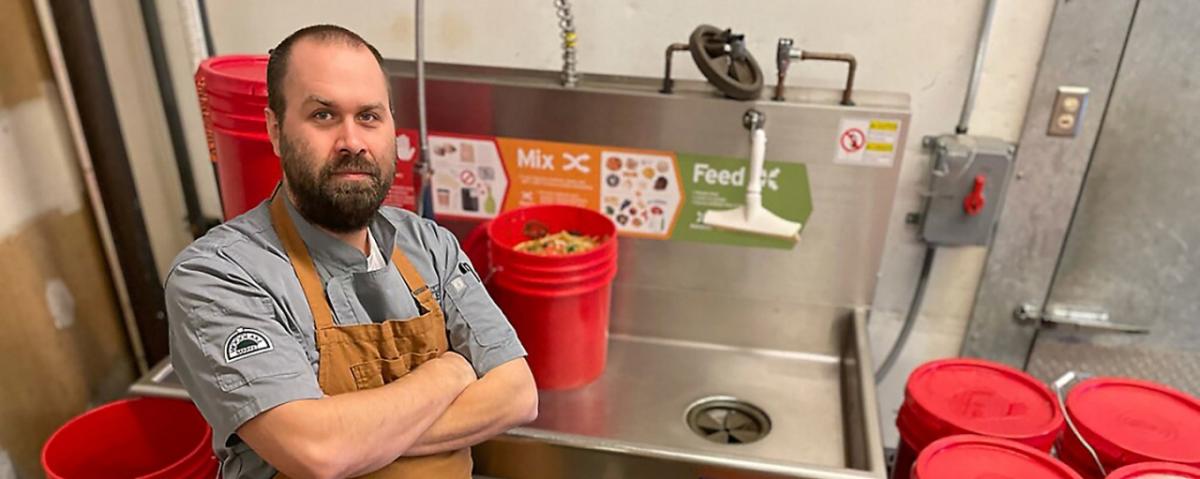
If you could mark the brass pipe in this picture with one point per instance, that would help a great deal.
(852, 66)
(668, 85)
(786, 53)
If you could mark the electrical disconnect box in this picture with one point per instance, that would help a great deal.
(970, 177)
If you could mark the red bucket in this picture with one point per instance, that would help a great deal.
(970, 396)
(555, 286)
(247, 168)
(241, 75)
(254, 125)
(478, 247)
(1129, 421)
(559, 305)
(144, 438)
(246, 106)
(233, 93)
(1156, 470)
(565, 335)
(234, 84)
(509, 228)
(970, 456)
(563, 272)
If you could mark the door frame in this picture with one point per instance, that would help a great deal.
(1083, 48)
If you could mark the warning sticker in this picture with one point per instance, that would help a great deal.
(865, 142)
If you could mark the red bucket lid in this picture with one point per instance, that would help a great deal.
(1132, 420)
(956, 396)
(235, 74)
(507, 230)
(979, 457)
(1156, 470)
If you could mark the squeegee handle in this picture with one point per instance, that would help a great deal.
(758, 153)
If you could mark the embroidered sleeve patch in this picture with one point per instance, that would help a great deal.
(245, 342)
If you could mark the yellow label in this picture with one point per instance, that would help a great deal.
(885, 147)
(884, 125)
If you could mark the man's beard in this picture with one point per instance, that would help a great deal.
(338, 206)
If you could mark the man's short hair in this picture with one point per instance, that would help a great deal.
(277, 65)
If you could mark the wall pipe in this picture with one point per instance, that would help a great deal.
(197, 222)
(423, 168)
(78, 66)
(985, 31)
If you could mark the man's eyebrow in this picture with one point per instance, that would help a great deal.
(320, 100)
(372, 106)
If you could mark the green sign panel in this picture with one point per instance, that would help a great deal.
(719, 183)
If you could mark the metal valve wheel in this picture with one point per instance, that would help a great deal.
(724, 60)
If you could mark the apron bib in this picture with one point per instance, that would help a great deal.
(363, 356)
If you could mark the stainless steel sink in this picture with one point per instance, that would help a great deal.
(632, 422)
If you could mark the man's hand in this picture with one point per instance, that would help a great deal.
(359, 432)
(503, 398)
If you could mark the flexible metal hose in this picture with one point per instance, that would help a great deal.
(566, 23)
(910, 319)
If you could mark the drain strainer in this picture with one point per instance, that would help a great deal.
(726, 420)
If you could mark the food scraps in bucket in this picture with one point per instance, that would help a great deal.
(560, 243)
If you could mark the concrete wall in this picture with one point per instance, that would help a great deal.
(921, 47)
(63, 343)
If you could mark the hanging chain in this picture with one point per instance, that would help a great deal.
(566, 23)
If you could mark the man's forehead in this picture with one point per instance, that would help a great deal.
(331, 69)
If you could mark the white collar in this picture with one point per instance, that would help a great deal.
(375, 260)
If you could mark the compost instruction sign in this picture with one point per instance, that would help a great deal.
(719, 183)
(650, 194)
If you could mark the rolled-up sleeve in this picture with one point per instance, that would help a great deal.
(229, 347)
(477, 328)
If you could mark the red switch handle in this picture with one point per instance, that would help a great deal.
(975, 200)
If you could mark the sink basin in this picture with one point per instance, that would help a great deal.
(633, 421)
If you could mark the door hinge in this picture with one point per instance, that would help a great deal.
(1083, 317)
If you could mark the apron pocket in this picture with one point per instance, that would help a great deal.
(376, 373)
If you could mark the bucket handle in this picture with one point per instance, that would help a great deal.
(492, 269)
(468, 244)
(1060, 385)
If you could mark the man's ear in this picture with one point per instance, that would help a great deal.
(274, 123)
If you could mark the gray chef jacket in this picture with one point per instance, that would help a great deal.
(242, 336)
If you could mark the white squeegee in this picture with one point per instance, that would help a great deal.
(752, 217)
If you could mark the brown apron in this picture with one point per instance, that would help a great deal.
(364, 356)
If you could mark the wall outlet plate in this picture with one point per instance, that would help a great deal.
(1067, 113)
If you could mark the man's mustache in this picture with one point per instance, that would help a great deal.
(352, 164)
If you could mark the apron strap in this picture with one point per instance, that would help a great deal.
(302, 264)
(412, 278)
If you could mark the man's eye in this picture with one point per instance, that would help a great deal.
(322, 115)
(369, 116)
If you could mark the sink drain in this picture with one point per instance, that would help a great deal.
(726, 420)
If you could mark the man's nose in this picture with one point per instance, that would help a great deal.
(350, 139)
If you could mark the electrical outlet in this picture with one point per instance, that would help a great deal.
(970, 178)
(1067, 113)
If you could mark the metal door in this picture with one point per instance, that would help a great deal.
(1133, 248)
